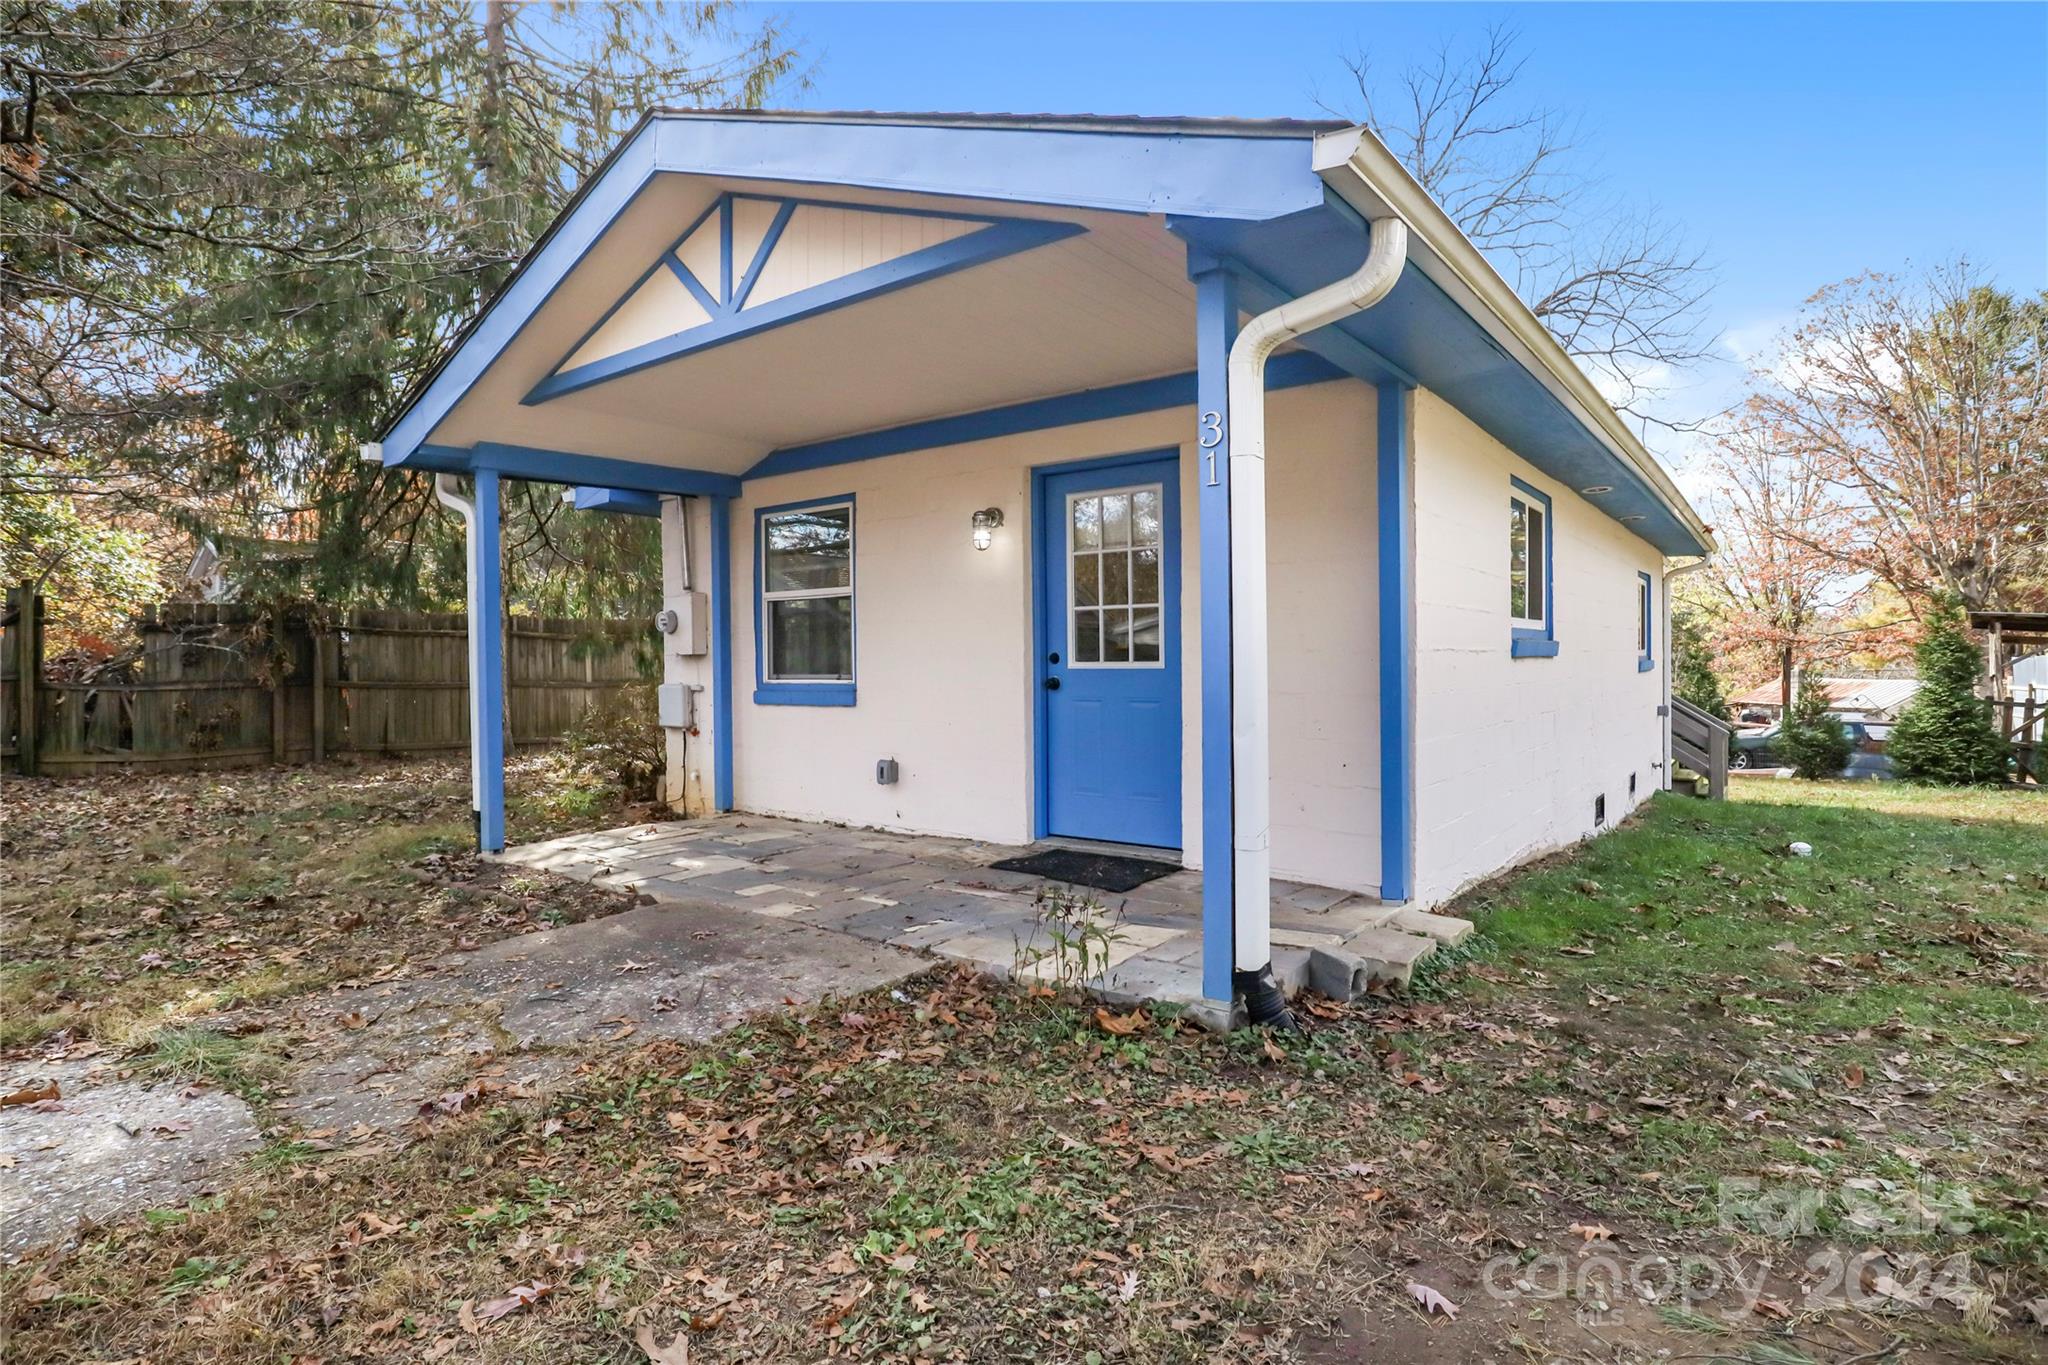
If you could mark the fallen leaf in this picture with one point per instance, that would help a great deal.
(1431, 1301)
(1592, 1232)
(1123, 1025)
(1853, 1077)
(34, 1094)
(677, 1352)
(518, 1297)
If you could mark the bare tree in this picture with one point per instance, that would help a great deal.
(1618, 287)
(1922, 407)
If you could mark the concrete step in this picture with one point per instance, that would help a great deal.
(1448, 930)
(1389, 954)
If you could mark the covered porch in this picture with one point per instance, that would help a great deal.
(942, 897)
(863, 322)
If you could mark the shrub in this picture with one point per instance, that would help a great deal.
(1945, 734)
(1813, 740)
(619, 742)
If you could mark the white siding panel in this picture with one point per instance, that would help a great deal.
(660, 307)
(1512, 752)
(823, 244)
(946, 664)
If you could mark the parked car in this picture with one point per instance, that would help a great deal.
(1759, 748)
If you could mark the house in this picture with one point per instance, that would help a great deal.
(1877, 699)
(1185, 483)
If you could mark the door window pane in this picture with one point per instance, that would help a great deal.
(1116, 578)
(1116, 636)
(1087, 523)
(1087, 580)
(1145, 576)
(1116, 519)
(1087, 637)
(1115, 546)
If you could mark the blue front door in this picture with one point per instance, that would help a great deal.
(1110, 662)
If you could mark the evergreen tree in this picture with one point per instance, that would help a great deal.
(236, 233)
(1692, 666)
(1945, 734)
(1814, 740)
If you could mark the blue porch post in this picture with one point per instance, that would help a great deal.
(720, 509)
(1215, 329)
(487, 688)
(1395, 496)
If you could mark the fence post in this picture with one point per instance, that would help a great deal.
(28, 672)
(319, 638)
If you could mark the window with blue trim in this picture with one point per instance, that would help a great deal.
(1531, 599)
(1646, 658)
(803, 606)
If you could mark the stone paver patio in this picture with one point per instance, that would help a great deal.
(941, 897)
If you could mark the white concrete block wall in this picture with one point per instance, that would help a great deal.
(945, 657)
(1510, 753)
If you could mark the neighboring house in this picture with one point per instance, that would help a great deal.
(967, 531)
(1879, 699)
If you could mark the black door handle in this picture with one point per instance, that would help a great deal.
(1052, 684)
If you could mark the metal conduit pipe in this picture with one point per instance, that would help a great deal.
(1250, 731)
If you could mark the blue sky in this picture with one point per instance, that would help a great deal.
(1798, 144)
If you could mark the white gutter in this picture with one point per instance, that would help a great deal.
(449, 493)
(1250, 731)
(1361, 171)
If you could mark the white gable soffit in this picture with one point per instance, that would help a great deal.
(1362, 172)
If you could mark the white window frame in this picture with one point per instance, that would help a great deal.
(1072, 635)
(1536, 590)
(768, 519)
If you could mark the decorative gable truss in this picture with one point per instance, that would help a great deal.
(750, 263)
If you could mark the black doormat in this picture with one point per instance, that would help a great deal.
(1103, 871)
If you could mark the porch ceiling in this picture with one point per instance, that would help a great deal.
(1107, 305)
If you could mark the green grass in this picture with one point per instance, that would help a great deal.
(974, 1173)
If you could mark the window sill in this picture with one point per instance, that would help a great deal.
(803, 694)
(1645, 665)
(1532, 647)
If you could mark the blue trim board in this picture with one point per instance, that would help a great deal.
(1394, 495)
(1041, 795)
(487, 690)
(621, 501)
(1529, 642)
(1216, 309)
(1290, 370)
(1001, 237)
(723, 712)
(768, 693)
(1647, 660)
(563, 466)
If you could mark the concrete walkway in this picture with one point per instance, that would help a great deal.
(942, 897)
(356, 1069)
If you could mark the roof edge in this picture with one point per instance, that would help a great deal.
(1358, 167)
(1147, 124)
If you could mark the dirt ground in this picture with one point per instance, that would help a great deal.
(1686, 1096)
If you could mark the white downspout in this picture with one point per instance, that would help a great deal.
(1250, 732)
(449, 493)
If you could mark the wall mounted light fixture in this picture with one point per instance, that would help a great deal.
(985, 523)
(1593, 490)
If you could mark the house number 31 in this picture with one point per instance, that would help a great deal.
(1212, 436)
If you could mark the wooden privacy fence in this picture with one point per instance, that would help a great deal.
(230, 685)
